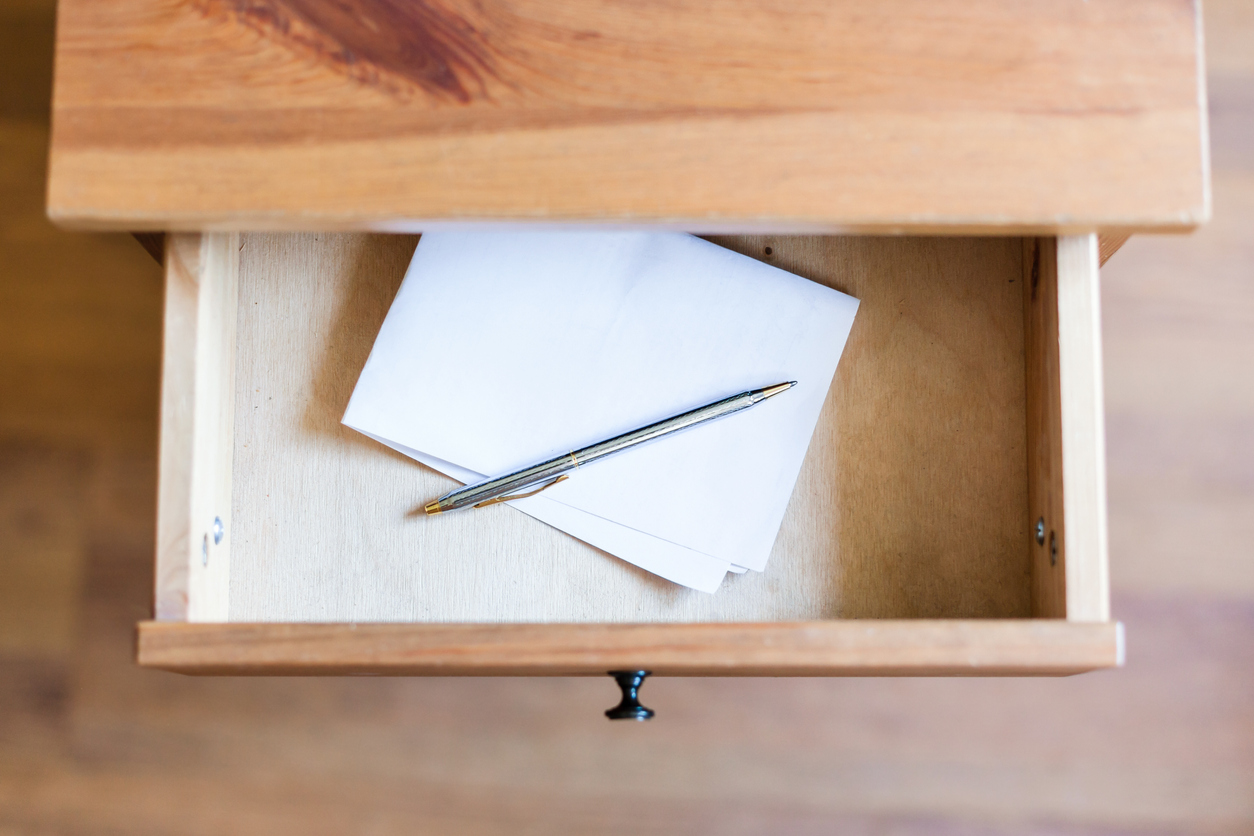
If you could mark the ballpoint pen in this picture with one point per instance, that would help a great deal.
(501, 488)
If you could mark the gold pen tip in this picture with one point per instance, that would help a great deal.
(433, 507)
(777, 388)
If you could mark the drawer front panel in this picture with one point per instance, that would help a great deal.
(827, 648)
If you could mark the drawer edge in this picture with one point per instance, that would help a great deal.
(1024, 647)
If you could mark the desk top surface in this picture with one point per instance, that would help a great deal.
(708, 115)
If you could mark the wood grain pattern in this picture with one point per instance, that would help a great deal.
(874, 648)
(175, 434)
(716, 115)
(197, 427)
(1109, 243)
(1048, 546)
(1066, 446)
(430, 46)
(911, 501)
(42, 492)
(1083, 424)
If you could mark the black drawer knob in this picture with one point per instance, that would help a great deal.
(630, 707)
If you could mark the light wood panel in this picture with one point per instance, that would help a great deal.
(197, 427)
(1066, 429)
(873, 648)
(1083, 424)
(911, 502)
(717, 115)
(178, 393)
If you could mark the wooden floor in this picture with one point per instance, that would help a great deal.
(90, 744)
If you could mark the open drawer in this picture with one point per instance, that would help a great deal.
(949, 518)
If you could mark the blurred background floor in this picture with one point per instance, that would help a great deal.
(91, 744)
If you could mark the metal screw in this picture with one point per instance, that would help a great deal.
(218, 530)
(204, 551)
(1040, 532)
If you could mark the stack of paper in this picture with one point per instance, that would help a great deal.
(503, 349)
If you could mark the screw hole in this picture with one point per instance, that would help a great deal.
(1053, 549)
(769, 251)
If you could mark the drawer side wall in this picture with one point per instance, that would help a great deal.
(1066, 429)
(194, 523)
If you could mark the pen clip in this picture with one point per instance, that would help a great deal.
(514, 496)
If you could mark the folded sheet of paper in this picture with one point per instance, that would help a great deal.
(502, 349)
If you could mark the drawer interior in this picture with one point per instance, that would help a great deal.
(913, 501)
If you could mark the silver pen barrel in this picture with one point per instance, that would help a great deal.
(549, 473)
(709, 412)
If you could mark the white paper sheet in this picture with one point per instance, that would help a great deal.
(505, 348)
